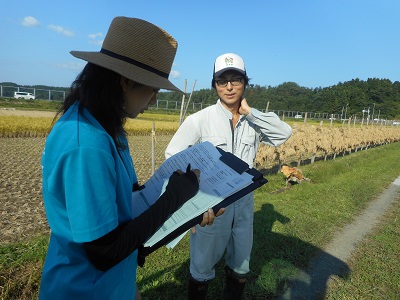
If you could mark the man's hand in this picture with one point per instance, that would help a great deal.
(244, 108)
(208, 218)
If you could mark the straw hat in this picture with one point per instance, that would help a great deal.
(138, 50)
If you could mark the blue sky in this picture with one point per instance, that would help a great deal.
(315, 43)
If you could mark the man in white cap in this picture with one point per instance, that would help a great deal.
(232, 125)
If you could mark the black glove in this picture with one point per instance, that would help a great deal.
(182, 187)
(115, 246)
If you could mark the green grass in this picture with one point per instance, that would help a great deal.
(22, 104)
(47, 105)
(375, 265)
(290, 226)
(21, 267)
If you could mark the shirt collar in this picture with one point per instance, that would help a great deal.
(226, 112)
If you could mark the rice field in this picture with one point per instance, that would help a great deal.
(22, 138)
(22, 212)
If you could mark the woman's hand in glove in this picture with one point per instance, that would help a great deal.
(183, 185)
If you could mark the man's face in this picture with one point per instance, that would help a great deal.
(230, 88)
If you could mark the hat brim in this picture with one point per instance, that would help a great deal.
(220, 72)
(127, 70)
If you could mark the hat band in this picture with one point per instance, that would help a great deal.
(134, 62)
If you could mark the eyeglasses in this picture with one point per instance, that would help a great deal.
(233, 81)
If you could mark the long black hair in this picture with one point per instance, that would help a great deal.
(99, 90)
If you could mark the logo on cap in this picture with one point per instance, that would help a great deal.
(229, 61)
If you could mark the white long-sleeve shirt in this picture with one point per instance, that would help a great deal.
(214, 124)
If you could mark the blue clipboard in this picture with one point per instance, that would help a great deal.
(236, 164)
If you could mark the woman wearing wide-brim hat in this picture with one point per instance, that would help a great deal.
(88, 172)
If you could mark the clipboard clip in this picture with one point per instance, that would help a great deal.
(233, 161)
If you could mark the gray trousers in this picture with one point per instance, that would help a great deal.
(231, 233)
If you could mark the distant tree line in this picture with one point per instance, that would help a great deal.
(380, 96)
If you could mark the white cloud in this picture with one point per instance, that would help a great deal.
(30, 22)
(175, 74)
(93, 36)
(100, 43)
(71, 65)
(62, 30)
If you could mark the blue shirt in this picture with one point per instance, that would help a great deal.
(87, 188)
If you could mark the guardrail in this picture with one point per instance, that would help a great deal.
(8, 92)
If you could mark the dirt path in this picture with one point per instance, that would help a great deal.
(311, 284)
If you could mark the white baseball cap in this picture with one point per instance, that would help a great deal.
(229, 61)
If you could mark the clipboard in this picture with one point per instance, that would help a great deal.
(236, 164)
